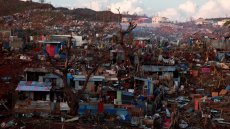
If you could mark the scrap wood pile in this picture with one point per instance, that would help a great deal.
(137, 112)
(30, 123)
(192, 119)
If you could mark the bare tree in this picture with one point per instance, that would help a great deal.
(72, 97)
(100, 57)
(122, 34)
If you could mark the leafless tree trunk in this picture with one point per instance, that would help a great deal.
(72, 98)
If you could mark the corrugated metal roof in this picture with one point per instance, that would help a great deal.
(93, 78)
(51, 76)
(43, 70)
(33, 86)
(51, 42)
(152, 68)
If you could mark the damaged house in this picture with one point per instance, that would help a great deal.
(39, 91)
(92, 85)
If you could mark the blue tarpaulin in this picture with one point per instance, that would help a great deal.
(84, 108)
(190, 41)
(183, 67)
(6, 45)
(127, 93)
(62, 56)
(228, 88)
(220, 56)
(149, 82)
(122, 113)
(227, 54)
(141, 98)
(165, 49)
(69, 78)
(56, 50)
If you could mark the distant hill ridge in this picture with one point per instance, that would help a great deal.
(91, 15)
(9, 7)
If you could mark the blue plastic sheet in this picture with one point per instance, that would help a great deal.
(228, 88)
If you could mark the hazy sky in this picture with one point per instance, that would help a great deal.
(173, 9)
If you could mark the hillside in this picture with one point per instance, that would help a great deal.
(91, 15)
(9, 7)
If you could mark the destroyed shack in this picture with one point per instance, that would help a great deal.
(93, 84)
(117, 56)
(223, 44)
(145, 86)
(142, 42)
(77, 40)
(15, 43)
(33, 97)
(39, 92)
(52, 48)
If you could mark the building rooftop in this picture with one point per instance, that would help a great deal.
(42, 70)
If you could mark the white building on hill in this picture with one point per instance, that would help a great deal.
(158, 19)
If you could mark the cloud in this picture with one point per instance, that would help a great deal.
(183, 11)
(131, 6)
(188, 7)
(170, 13)
(212, 8)
(96, 5)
